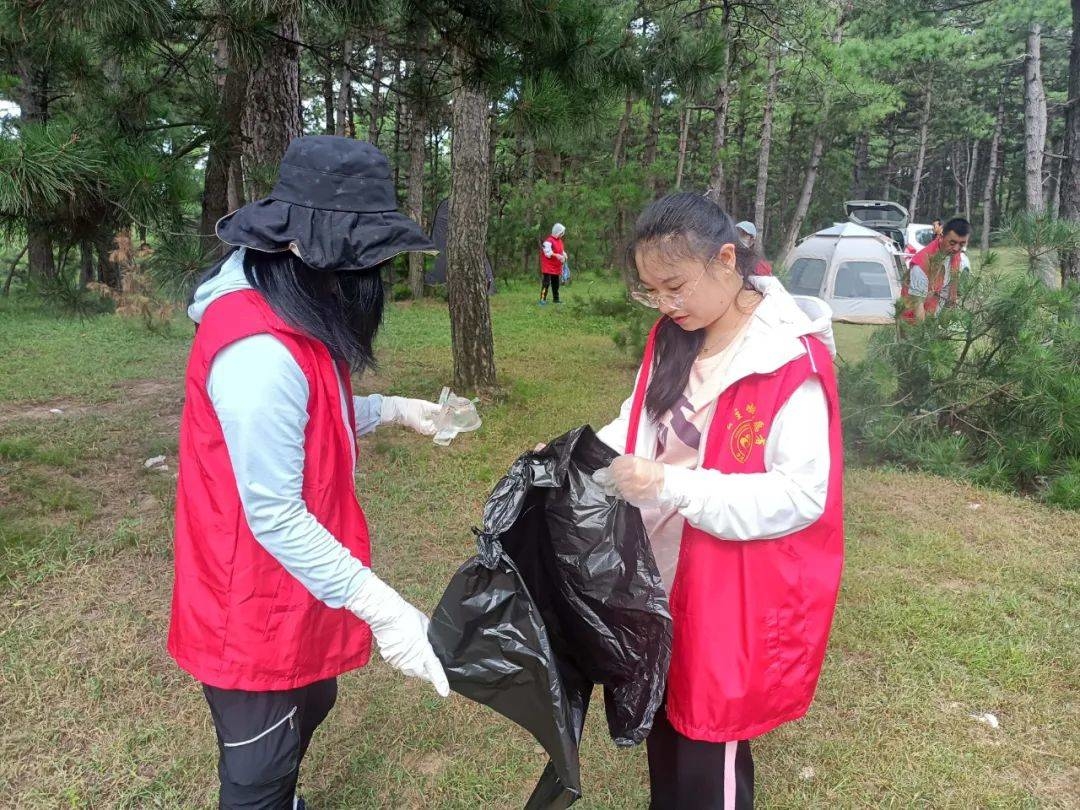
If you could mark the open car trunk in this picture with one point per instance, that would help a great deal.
(883, 216)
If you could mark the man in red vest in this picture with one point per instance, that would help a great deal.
(273, 595)
(934, 272)
(552, 259)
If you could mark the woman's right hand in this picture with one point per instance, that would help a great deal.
(400, 630)
(539, 447)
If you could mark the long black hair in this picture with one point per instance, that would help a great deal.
(341, 309)
(683, 226)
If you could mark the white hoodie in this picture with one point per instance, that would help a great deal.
(790, 494)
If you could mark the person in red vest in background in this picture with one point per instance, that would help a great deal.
(748, 237)
(552, 259)
(730, 445)
(934, 272)
(273, 594)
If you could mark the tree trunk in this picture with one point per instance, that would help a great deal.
(766, 141)
(350, 115)
(693, 142)
(807, 192)
(418, 106)
(861, 166)
(683, 132)
(1034, 122)
(1070, 180)
(969, 180)
(467, 288)
(272, 106)
(108, 271)
(231, 108)
(816, 151)
(329, 99)
(435, 191)
(889, 168)
(1053, 193)
(716, 190)
(215, 197)
(620, 137)
(86, 264)
(958, 175)
(618, 235)
(11, 271)
(991, 173)
(341, 125)
(652, 131)
(398, 104)
(920, 161)
(736, 182)
(1004, 189)
(555, 167)
(375, 120)
(33, 99)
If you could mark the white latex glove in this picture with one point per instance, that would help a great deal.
(417, 414)
(400, 630)
(636, 480)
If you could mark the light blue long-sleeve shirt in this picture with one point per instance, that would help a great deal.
(260, 396)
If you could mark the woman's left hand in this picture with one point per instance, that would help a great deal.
(639, 481)
(417, 414)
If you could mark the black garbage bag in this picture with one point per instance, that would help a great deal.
(563, 594)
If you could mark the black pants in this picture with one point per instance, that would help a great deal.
(687, 774)
(262, 737)
(553, 282)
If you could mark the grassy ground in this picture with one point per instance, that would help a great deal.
(955, 602)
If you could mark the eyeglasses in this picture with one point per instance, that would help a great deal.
(674, 301)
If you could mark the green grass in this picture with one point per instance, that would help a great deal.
(49, 357)
(946, 609)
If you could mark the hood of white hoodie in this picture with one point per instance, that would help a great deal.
(229, 278)
(772, 338)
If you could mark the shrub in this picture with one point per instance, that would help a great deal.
(65, 292)
(989, 391)
(137, 296)
(632, 322)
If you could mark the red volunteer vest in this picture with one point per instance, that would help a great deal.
(937, 283)
(752, 618)
(239, 619)
(551, 266)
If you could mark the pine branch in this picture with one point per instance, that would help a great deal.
(190, 147)
(177, 125)
(965, 4)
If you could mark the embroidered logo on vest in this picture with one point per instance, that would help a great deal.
(746, 432)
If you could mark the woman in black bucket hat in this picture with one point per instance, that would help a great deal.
(334, 206)
(273, 595)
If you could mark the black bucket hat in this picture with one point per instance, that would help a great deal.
(333, 205)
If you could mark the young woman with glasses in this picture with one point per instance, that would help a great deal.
(731, 447)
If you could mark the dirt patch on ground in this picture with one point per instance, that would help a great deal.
(160, 395)
(56, 409)
(77, 470)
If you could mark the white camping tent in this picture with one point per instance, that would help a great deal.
(855, 270)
